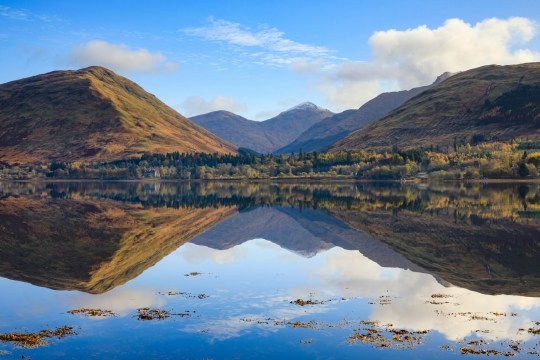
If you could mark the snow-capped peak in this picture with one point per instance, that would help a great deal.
(304, 106)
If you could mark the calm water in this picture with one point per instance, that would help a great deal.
(271, 271)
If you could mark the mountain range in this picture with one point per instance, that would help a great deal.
(263, 136)
(324, 133)
(490, 103)
(92, 114)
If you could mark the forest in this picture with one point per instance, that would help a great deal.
(493, 160)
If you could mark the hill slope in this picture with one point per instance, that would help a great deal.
(263, 136)
(487, 103)
(91, 114)
(326, 132)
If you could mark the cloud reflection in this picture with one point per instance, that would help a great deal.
(347, 273)
(121, 300)
(353, 275)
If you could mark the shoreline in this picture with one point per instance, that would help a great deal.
(279, 180)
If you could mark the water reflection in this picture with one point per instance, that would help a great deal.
(96, 236)
(378, 252)
(341, 274)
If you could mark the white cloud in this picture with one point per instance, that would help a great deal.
(25, 15)
(265, 46)
(267, 38)
(415, 57)
(305, 66)
(14, 14)
(196, 105)
(120, 57)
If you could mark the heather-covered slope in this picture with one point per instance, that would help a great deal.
(92, 114)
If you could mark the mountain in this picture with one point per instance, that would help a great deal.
(92, 114)
(263, 136)
(91, 246)
(488, 103)
(324, 133)
(235, 129)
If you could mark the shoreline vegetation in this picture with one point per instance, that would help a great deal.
(480, 162)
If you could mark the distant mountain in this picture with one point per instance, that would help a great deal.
(324, 133)
(487, 103)
(92, 114)
(263, 136)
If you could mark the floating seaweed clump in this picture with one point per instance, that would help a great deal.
(152, 314)
(302, 302)
(193, 273)
(92, 312)
(433, 302)
(472, 351)
(158, 314)
(440, 296)
(186, 295)
(381, 300)
(302, 324)
(33, 340)
(388, 337)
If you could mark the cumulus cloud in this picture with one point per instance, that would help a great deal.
(196, 105)
(120, 57)
(402, 59)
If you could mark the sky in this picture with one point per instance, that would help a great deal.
(258, 58)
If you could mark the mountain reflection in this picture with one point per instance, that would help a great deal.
(93, 236)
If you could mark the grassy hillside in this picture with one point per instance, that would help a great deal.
(490, 103)
(91, 114)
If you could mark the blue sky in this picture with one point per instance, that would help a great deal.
(257, 58)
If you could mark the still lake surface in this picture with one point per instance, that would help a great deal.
(270, 270)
